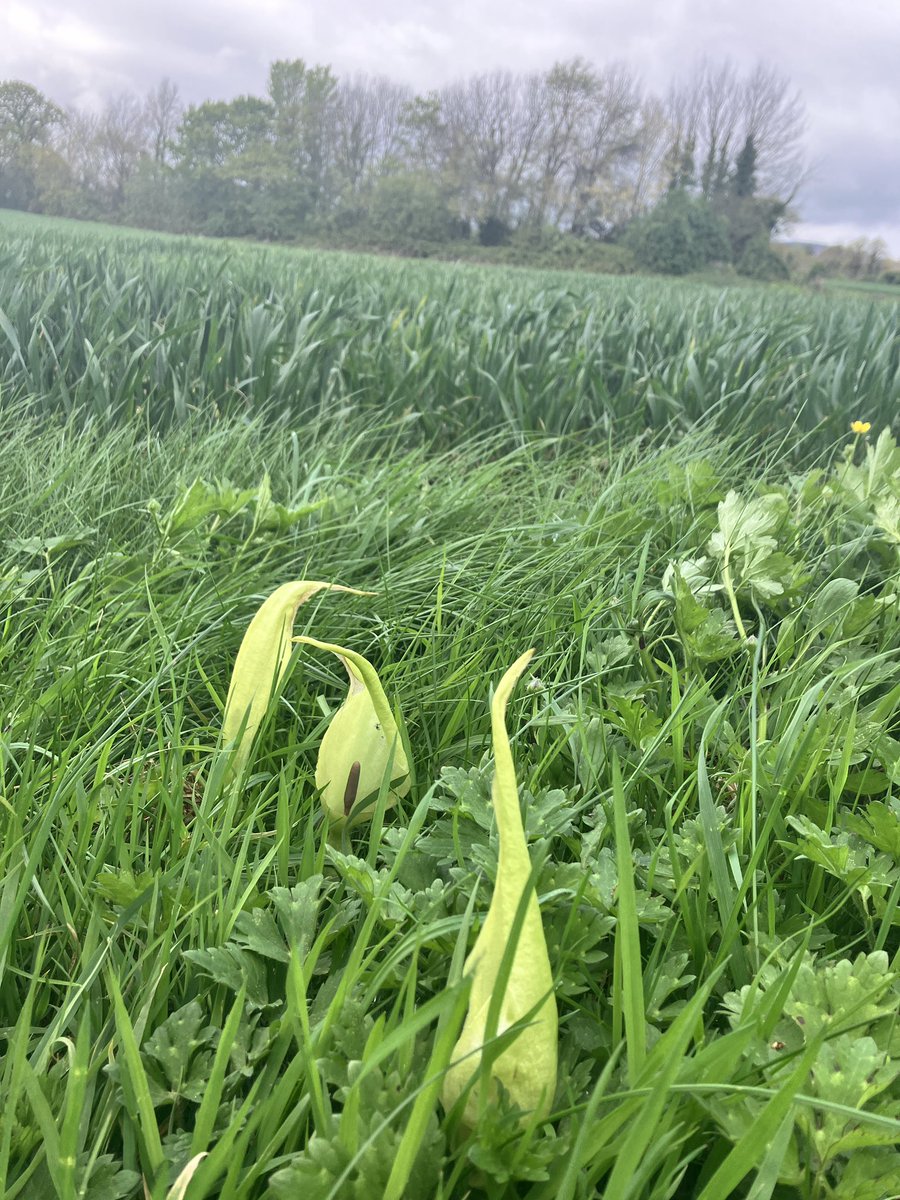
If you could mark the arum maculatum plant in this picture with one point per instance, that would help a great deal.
(527, 1067)
(362, 744)
(261, 663)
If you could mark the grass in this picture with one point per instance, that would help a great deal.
(165, 328)
(201, 995)
(868, 287)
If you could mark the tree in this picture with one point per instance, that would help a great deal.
(681, 234)
(521, 158)
(743, 182)
(222, 163)
(718, 109)
(775, 117)
(367, 124)
(123, 141)
(27, 121)
(607, 148)
(480, 115)
(646, 181)
(162, 112)
(27, 116)
(80, 193)
(423, 135)
(304, 101)
(567, 90)
(411, 212)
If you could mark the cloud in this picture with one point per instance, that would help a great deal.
(842, 57)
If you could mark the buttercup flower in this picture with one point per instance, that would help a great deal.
(860, 426)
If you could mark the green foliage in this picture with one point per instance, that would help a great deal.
(847, 1009)
(107, 325)
(743, 183)
(680, 235)
(27, 118)
(191, 968)
(759, 261)
(407, 212)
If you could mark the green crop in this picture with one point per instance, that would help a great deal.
(166, 328)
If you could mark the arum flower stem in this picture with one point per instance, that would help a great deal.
(729, 588)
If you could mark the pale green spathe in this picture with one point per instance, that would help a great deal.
(262, 661)
(527, 1068)
(358, 743)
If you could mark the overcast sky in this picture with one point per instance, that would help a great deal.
(844, 57)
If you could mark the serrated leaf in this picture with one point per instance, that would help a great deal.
(832, 604)
(297, 909)
(174, 1047)
(256, 930)
(879, 824)
(745, 523)
(234, 968)
(50, 545)
(107, 1180)
(871, 1174)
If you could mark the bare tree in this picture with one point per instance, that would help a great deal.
(367, 123)
(162, 113)
(478, 114)
(715, 110)
(649, 174)
(78, 142)
(608, 145)
(123, 140)
(775, 117)
(567, 91)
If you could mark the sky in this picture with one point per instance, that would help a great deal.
(843, 57)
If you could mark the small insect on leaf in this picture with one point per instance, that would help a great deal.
(527, 1068)
(261, 662)
(360, 742)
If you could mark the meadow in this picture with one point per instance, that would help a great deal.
(206, 991)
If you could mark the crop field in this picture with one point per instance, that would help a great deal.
(306, 946)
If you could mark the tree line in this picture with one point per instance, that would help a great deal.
(579, 157)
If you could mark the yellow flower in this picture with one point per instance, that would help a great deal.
(861, 426)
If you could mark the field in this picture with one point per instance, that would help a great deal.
(205, 990)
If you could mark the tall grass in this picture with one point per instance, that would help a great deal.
(171, 327)
(202, 995)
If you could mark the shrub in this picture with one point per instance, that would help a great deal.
(760, 261)
(681, 234)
